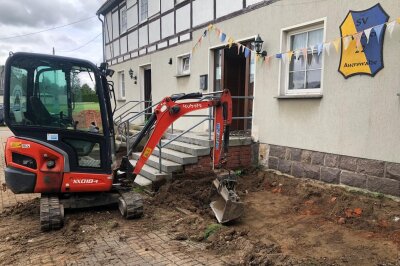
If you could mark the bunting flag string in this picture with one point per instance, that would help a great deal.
(317, 49)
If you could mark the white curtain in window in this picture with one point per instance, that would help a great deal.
(315, 37)
(299, 41)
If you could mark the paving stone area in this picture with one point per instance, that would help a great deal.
(110, 248)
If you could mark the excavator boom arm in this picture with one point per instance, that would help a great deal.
(169, 110)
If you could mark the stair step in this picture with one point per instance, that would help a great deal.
(143, 181)
(151, 173)
(192, 149)
(166, 165)
(176, 156)
(192, 138)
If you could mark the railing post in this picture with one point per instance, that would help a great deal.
(209, 123)
(159, 158)
(172, 128)
(127, 137)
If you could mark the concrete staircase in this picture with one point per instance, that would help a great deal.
(183, 151)
(175, 156)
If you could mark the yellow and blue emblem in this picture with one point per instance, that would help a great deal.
(365, 55)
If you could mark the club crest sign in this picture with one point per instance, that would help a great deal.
(362, 35)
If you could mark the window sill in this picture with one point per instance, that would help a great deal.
(304, 96)
(121, 100)
(182, 75)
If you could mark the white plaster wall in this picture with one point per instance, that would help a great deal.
(133, 40)
(183, 18)
(356, 117)
(225, 7)
(132, 17)
(115, 48)
(154, 31)
(167, 25)
(203, 11)
(143, 36)
(166, 5)
(153, 7)
(108, 27)
(115, 27)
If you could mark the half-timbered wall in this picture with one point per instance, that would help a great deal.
(166, 23)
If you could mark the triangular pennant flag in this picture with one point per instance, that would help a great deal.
(357, 36)
(223, 37)
(239, 48)
(205, 33)
(230, 42)
(283, 57)
(278, 56)
(398, 20)
(289, 55)
(297, 54)
(328, 48)
(267, 59)
(305, 52)
(336, 43)
(246, 52)
(346, 42)
(367, 33)
(378, 30)
(210, 27)
(312, 49)
(217, 32)
(390, 27)
(320, 48)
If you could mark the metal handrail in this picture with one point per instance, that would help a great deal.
(136, 114)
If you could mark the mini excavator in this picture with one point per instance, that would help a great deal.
(68, 155)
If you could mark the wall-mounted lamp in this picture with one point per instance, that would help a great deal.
(132, 75)
(170, 61)
(258, 45)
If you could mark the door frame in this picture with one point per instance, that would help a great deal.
(142, 68)
(211, 64)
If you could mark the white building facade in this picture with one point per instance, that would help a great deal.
(309, 119)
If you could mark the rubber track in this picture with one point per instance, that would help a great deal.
(51, 217)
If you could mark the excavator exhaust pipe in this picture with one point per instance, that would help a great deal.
(228, 207)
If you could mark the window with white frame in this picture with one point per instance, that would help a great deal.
(183, 64)
(124, 21)
(121, 85)
(144, 9)
(303, 74)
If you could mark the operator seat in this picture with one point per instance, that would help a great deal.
(42, 116)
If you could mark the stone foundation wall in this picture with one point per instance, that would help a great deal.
(238, 157)
(374, 175)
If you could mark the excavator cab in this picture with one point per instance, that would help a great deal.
(61, 104)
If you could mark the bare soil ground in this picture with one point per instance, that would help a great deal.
(287, 221)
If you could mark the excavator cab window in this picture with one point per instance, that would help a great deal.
(57, 96)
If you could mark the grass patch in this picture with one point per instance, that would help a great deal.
(211, 229)
(138, 189)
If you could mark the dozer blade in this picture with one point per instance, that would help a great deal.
(228, 207)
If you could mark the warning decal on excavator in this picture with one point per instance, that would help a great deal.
(15, 145)
(147, 152)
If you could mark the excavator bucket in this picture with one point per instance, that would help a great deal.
(228, 207)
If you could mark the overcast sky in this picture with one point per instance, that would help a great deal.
(18, 17)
